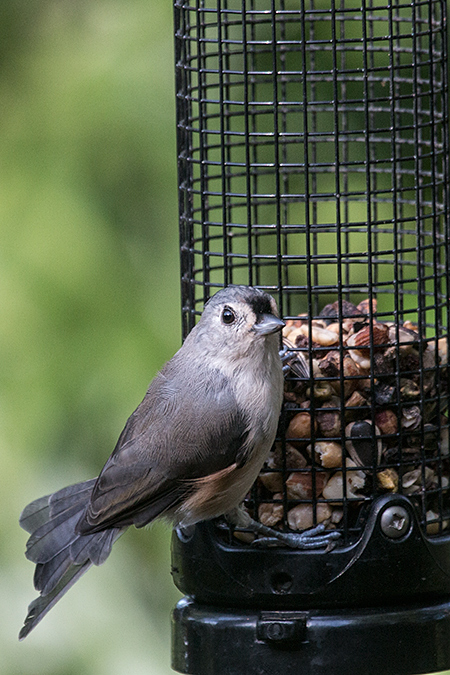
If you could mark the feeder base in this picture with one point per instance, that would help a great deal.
(398, 640)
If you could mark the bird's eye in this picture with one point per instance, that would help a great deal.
(228, 316)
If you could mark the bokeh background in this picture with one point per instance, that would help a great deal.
(90, 308)
(89, 305)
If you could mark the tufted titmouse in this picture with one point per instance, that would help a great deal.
(190, 451)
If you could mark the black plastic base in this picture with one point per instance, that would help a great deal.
(373, 571)
(399, 640)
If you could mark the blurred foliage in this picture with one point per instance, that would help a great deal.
(89, 295)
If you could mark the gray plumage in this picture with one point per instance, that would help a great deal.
(190, 451)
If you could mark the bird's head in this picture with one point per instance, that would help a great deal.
(239, 317)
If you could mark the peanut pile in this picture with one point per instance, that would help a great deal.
(371, 419)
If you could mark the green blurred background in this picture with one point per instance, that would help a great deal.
(90, 309)
(90, 306)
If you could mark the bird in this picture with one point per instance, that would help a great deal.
(189, 452)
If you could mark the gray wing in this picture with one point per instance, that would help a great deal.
(186, 427)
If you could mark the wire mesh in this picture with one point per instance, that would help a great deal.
(313, 163)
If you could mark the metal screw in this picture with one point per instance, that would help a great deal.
(395, 521)
(276, 631)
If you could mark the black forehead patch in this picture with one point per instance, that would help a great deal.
(260, 304)
(257, 300)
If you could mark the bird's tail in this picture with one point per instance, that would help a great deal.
(61, 555)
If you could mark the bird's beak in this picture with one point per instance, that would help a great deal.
(267, 324)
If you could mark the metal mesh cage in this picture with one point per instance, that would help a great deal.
(313, 163)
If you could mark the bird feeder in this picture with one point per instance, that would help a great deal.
(313, 163)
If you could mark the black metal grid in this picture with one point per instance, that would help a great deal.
(313, 163)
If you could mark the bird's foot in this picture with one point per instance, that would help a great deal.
(285, 356)
(293, 359)
(315, 537)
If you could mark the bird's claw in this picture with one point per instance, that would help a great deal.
(285, 356)
(293, 359)
(299, 542)
(284, 353)
(310, 539)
